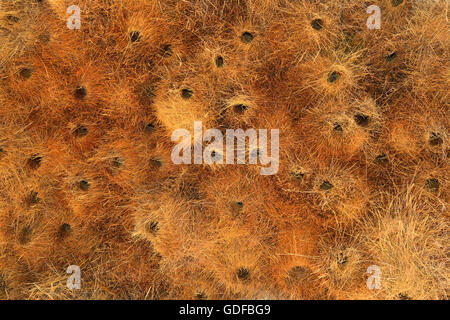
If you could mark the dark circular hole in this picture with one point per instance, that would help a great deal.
(80, 93)
(432, 184)
(25, 235)
(381, 159)
(156, 163)
(396, 3)
(135, 36)
(64, 230)
(26, 73)
(187, 93)
(34, 199)
(391, 56)
(213, 154)
(149, 128)
(84, 185)
(362, 120)
(12, 18)
(219, 62)
(243, 274)
(200, 296)
(435, 139)
(152, 227)
(297, 175)
(333, 76)
(34, 162)
(338, 127)
(240, 108)
(236, 207)
(80, 131)
(404, 296)
(166, 50)
(326, 185)
(342, 259)
(117, 162)
(317, 24)
(247, 37)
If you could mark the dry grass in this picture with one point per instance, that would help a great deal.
(86, 176)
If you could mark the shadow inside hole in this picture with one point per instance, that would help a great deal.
(435, 139)
(243, 274)
(404, 296)
(201, 296)
(236, 207)
(80, 93)
(64, 230)
(166, 50)
(26, 72)
(255, 153)
(80, 131)
(219, 62)
(149, 128)
(317, 24)
(341, 259)
(362, 120)
(12, 19)
(33, 198)
(187, 93)
(391, 56)
(247, 37)
(34, 162)
(337, 127)
(432, 185)
(297, 175)
(240, 108)
(117, 162)
(135, 36)
(326, 185)
(381, 159)
(156, 163)
(333, 76)
(84, 185)
(152, 227)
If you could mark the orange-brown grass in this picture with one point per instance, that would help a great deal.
(421, 132)
(302, 30)
(340, 263)
(295, 254)
(407, 239)
(87, 179)
(340, 193)
(341, 130)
